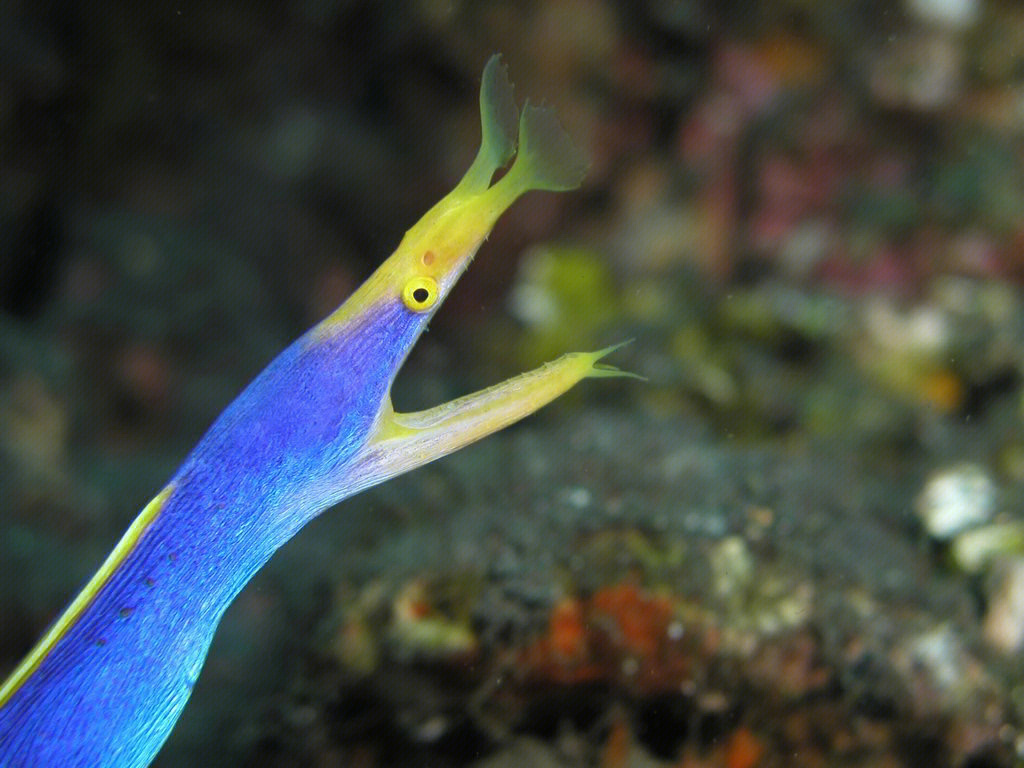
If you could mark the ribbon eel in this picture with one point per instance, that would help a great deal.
(107, 682)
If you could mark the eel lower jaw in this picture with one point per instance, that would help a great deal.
(404, 441)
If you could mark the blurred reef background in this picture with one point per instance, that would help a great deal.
(799, 543)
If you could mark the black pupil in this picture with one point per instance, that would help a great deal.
(421, 295)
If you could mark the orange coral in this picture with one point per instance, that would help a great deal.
(744, 749)
(615, 752)
(567, 630)
(641, 620)
(620, 634)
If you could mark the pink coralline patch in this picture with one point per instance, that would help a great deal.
(978, 253)
(888, 171)
(746, 79)
(757, 73)
(784, 201)
(826, 171)
(710, 132)
(889, 268)
(719, 214)
(746, 73)
(906, 267)
(791, 190)
(783, 184)
(707, 144)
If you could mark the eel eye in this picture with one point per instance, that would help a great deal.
(419, 294)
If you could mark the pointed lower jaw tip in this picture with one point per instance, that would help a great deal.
(606, 370)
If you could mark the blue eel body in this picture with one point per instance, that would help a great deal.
(108, 681)
(219, 525)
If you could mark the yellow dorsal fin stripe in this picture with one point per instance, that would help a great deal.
(60, 627)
